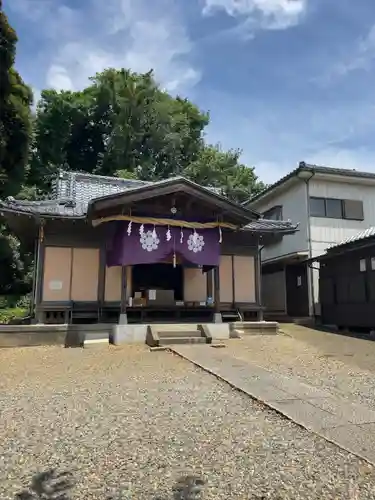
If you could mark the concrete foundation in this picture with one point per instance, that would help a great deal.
(123, 319)
(218, 318)
(129, 334)
(218, 331)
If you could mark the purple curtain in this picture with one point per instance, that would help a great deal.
(200, 247)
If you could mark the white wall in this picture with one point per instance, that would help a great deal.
(325, 231)
(294, 203)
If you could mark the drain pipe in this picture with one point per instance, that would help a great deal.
(311, 276)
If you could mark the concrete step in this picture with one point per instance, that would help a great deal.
(182, 333)
(181, 340)
(174, 327)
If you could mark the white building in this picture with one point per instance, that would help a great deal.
(330, 205)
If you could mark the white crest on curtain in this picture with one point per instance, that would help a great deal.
(195, 242)
(148, 241)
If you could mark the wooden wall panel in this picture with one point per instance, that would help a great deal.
(226, 279)
(195, 285)
(244, 279)
(85, 274)
(57, 274)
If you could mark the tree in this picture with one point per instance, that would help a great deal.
(122, 121)
(15, 114)
(15, 132)
(124, 124)
(221, 170)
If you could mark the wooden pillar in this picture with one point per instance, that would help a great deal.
(101, 279)
(39, 316)
(209, 276)
(258, 280)
(124, 282)
(217, 314)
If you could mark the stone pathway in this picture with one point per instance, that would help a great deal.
(341, 421)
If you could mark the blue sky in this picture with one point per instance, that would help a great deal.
(284, 80)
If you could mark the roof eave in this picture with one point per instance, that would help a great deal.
(38, 215)
(246, 213)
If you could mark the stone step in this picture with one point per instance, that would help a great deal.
(181, 340)
(172, 334)
(97, 339)
(174, 327)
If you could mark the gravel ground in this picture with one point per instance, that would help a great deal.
(345, 366)
(127, 419)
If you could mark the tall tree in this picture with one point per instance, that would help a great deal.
(122, 121)
(15, 131)
(15, 114)
(124, 124)
(222, 170)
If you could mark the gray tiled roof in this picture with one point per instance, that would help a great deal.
(266, 225)
(73, 191)
(71, 194)
(362, 235)
(318, 169)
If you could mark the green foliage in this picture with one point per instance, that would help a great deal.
(222, 170)
(11, 315)
(15, 115)
(121, 122)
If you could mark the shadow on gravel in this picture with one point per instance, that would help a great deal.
(52, 485)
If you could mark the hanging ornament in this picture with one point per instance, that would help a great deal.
(195, 237)
(220, 235)
(181, 236)
(169, 236)
(154, 235)
(141, 229)
(129, 231)
(174, 259)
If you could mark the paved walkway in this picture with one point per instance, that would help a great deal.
(347, 424)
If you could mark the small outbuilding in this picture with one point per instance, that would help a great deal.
(347, 282)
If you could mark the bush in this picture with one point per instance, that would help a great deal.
(12, 314)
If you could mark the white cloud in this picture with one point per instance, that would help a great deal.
(263, 14)
(361, 57)
(116, 33)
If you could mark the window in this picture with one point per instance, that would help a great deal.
(362, 265)
(373, 263)
(317, 207)
(274, 213)
(335, 208)
(353, 209)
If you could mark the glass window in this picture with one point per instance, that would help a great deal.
(274, 213)
(373, 263)
(334, 208)
(353, 209)
(317, 207)
(362, 265)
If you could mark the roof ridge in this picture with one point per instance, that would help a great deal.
(303, 166)
(88, 175)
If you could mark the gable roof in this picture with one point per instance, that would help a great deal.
(73, 193)
(304, 169)
(174, 185)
